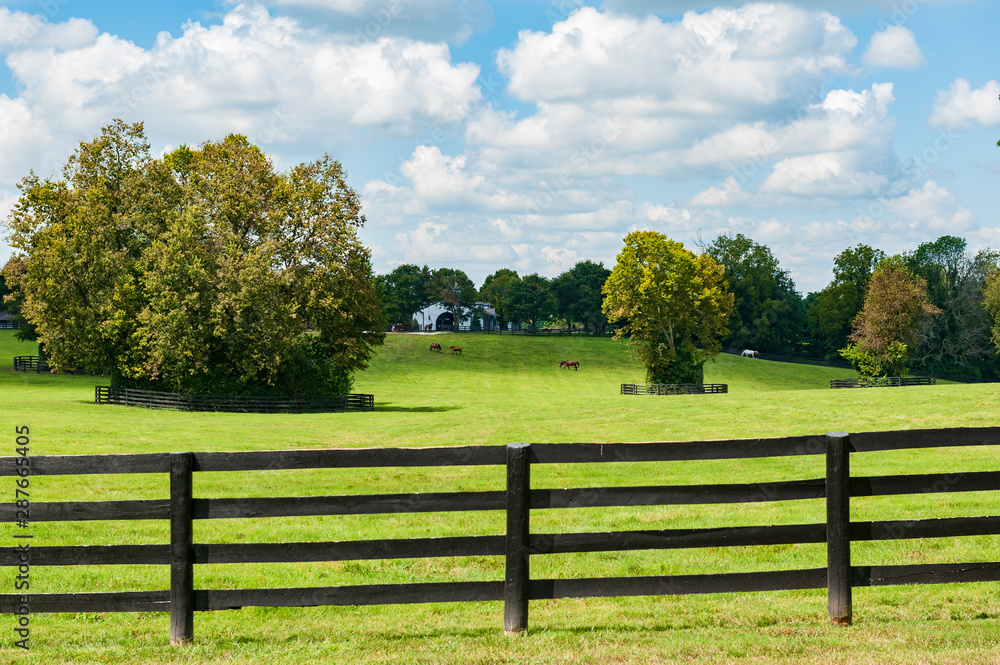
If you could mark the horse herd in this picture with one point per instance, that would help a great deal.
(575, 364)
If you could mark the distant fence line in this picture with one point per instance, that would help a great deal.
(948, 376)
(233, 404)
(541, 332)
(9, 325)
(883, 382)
(674, 388)
(518, 543)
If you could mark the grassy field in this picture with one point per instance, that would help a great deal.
(504, 389)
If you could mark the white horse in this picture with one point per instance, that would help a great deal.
(750, 353)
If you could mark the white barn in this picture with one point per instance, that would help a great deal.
(436, 317)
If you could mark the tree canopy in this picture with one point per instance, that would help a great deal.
(958, 339)
(203, 271)
(496, 291)
(832, 311)
(768, 313)
(405, 291)
(887, 326)
(578, 294)
(530, 300)
(671, 304)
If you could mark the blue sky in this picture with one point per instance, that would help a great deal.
(532, 135)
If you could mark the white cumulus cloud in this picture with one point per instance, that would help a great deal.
(895, 46)
(962, 107)
(933, 207)
(20, 30)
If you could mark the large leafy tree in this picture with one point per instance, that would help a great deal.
(530, 300)
(496, 291)
(831, 312)
(958, 339)
(203, 271)
(886, 328)
(405, 291)
(768, 313)
(578, 294)
(671, 304)
(455, 291)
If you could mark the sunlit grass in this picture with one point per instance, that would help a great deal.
(501, 390)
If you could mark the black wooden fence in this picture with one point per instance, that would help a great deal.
(541, 332)
(30, 364)
(233, 404)
(673, 388)
(883, 382)
(40, 365)
(519, 543)
(9, 325)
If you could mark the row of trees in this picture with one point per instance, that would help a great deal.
(932, 309)
(573, 297)
(952, 335)
(935, 308)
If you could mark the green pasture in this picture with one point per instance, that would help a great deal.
(501, 390)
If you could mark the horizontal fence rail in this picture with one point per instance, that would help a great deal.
(9, 325)
(40, 365)
(883, 382)
(674, 388)
(519, 543)
(233, 404)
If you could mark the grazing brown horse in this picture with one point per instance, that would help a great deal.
(436, 347)
(456, 349)
(575, 364)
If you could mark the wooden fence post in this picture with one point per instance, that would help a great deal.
(181, 550)
(838, 528)
(516, 580)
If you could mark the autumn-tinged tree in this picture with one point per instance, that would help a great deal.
(205, 271)
(672, 305)
(887, 326)
(496, 292)
(831, 312)
(530, 300)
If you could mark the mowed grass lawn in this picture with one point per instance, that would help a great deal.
(501, 390)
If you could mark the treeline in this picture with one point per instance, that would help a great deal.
(573, 298)
(768, 315)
